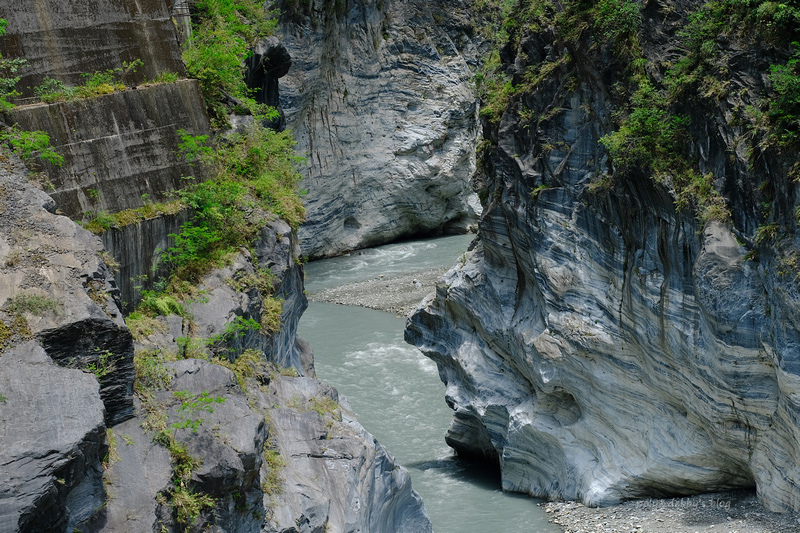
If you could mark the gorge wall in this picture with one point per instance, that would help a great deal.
(212, 418)
(381, 102)
(597, 342)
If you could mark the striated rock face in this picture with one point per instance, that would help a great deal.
(379, 97)
(137, 249)
(57, 289)
(601, 346)
(64, 41)
(52, 435)
(326, 473)
(338, 477)
(119, 149)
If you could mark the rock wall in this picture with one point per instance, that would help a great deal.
(66, 369)
(380, 99)
(119, 149)
(65, 41)
(137, 248)
(601, 345)
(59, 291)
(325, 472)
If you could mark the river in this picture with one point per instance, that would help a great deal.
(396, 393)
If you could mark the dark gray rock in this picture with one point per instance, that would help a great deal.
(51, 443)
(137, 249)
(64, 293)
(142, 471)
(65, 41)
(269, 61)
(278, 249)
(119, 149)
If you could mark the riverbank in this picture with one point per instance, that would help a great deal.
(726, 512)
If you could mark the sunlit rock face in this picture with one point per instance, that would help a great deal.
(380, 99)
(602, 346)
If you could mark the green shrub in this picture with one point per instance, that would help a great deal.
(222, 33)
(31, 144)
(784, 110)
(616, 19)
(160, 304)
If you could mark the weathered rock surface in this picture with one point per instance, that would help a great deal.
(51, 443)
(57, 289)
(224, 320)
(137, 250)
(65, 41)
(334, 475)
(269, 61)
(379, 97)
(140, 470)
(227, 443)
(601, 346)
(119, 149)
(338, 478)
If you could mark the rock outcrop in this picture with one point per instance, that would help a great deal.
(314, 469)
(337, 477)
(55, 288)
(380, 99)
(212, 442)
(57, 392)
(269, 61)
(52, 434)
(601, 345)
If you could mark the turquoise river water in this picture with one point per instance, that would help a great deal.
(397, 396)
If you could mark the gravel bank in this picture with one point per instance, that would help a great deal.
(399, 295)
(726, 512)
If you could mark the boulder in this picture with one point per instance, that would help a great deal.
(51, 443)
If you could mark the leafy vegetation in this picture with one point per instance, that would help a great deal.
(102, 221)
(651, 140)
(784, 110)
(104, 365)
(96, 84)
(8, 71)
(192, 406)
(29, 145)
(223, 32)
(255, 175)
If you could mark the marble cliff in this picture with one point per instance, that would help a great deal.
(381, 102)
(601, 341)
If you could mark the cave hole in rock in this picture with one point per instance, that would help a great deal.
(559, 405)
(351, 224)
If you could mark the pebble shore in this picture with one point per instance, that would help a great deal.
(726, 512)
